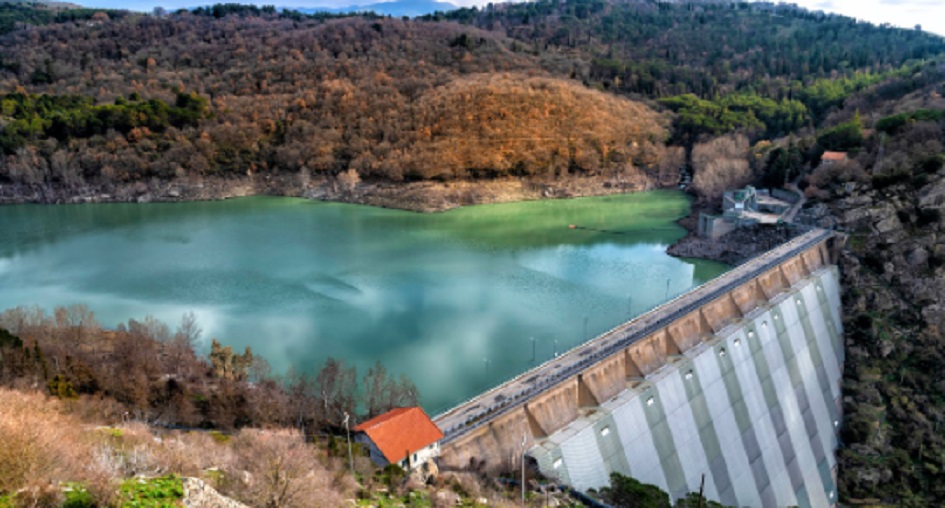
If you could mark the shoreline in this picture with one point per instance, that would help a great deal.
(421, 197)
(424, 197)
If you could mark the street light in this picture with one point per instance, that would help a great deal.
(555, 348)
(533, 349)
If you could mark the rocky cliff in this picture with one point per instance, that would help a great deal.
(894, 395)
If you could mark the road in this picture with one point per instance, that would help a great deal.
(487, 406)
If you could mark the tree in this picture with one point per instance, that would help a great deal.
(627, 492)
(783, 165)
(336, 388)
(349, 180)
(383, 393)
(229, 365)
(720, 164)
(375, 386)
(844, 137)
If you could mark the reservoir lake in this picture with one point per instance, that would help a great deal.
(458, 301)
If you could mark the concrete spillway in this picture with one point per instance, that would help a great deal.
(755, 409)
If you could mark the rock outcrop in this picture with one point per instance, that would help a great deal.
(198, 494)
(736, 247)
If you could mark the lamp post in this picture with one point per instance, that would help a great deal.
(533, 349)
(554, 349)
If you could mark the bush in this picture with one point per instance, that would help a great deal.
(39, 446)
(842, 138)
(891, 124)
(77, 496)
(628, 492)
(883, 180)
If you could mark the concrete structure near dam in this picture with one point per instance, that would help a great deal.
(737, 381)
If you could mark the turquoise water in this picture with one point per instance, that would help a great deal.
(453, 300)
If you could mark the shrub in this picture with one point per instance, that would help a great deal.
(628, 492)
(891, 124)
(883, 180)
(77, 496)
(41, 446)
(844, 137)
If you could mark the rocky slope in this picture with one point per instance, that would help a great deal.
(892, 274)
(426, 196)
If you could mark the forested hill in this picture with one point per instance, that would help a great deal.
(542, 90)
(618, 93)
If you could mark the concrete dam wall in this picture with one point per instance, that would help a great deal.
(755, 409)
(737, 380)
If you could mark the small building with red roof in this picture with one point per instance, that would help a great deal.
(833, 157)
(405, 436)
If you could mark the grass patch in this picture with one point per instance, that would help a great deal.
(219, 437)
(77, 496)
(162, 492)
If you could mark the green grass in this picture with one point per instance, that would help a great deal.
(413, 499)
(77, 496)
(162, 492)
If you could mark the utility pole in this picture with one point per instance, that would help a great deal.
(701, 489)
(524, 441)
(348, 433)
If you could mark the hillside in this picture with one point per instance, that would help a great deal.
(52, 456)
(232, 100)
(889, 199)
(544, 99)
(147, 98)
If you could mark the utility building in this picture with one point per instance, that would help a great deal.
(405, 436)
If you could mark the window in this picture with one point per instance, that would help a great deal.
(415, 457)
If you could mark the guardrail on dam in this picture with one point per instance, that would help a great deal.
(738, 379)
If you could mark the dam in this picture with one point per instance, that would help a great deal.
(737, 382)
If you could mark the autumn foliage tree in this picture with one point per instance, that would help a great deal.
(720, 164)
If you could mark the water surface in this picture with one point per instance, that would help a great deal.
(459, 301)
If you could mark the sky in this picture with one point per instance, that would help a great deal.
(904, 13)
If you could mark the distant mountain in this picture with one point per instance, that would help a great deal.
(396, 8)
(49, 4)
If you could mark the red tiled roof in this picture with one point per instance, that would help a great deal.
(400, 432)
(834, 156)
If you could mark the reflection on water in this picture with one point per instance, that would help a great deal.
(458, 301)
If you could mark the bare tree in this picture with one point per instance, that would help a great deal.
(720, 164)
